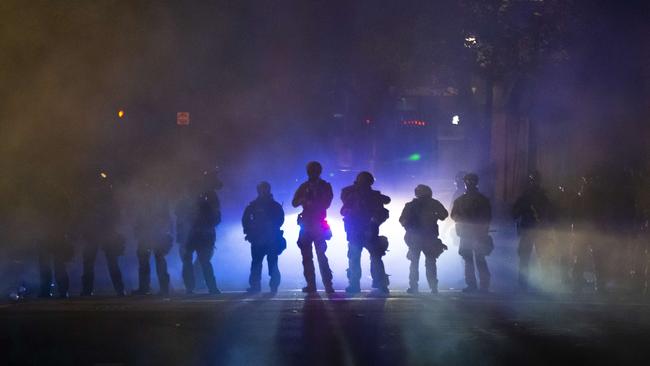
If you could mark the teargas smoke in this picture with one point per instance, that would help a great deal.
(91, 93)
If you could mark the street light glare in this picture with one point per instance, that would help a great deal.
(470, 41)
(455, 120)
(120, 113)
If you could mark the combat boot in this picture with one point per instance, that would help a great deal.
(470, 289)
(141, 292)
(87, 288)
(309, 289)
(164, 290)
(380, 292)
(86, 293)
(353, 288)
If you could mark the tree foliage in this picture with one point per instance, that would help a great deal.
(518, 36)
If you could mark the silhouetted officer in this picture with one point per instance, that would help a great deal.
(597, 222)
(472, 213)
(53, 219)
(315, 196)
(420, 219)
(363, 211)
(153, 228)
(622, 232)
(643, 199)
(459, 190)
(262, 221)
(98, 217)
(197, 215)
(563, 200)
(533, 214)
(641, 252)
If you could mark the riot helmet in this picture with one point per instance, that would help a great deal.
(471, 180)
(365, 179)
(314, 169)
(263, 189)
(423, 191)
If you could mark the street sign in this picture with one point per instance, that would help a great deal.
(182, 118)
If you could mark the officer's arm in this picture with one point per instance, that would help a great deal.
(278, 215)
(329, 195)
(454, 210)
(298, 196)
(345, 197)
(245, 219)
(215, 207)
(441, 211)
(404, 217)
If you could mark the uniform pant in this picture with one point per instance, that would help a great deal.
(144, 268)
(258, 253)
(585, 245)
(430, 257)
(641, 263)
(320, 245)
(539, 241)
(88, 277)
(563, 245)
(204, 255)
(48, 262)
(377, 270)
(470, 255)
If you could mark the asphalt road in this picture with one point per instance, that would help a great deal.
(236, 329)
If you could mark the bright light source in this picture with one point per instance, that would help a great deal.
(415, 157)
(470, 41)
(120, 113)
(413, 122)
(103, 175)
(455, 120)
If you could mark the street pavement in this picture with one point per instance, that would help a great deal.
(450, 328)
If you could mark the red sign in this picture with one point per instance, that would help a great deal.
(183, 118)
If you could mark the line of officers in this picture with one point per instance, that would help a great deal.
(97, 214)
(602, 224)
(197, 211)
